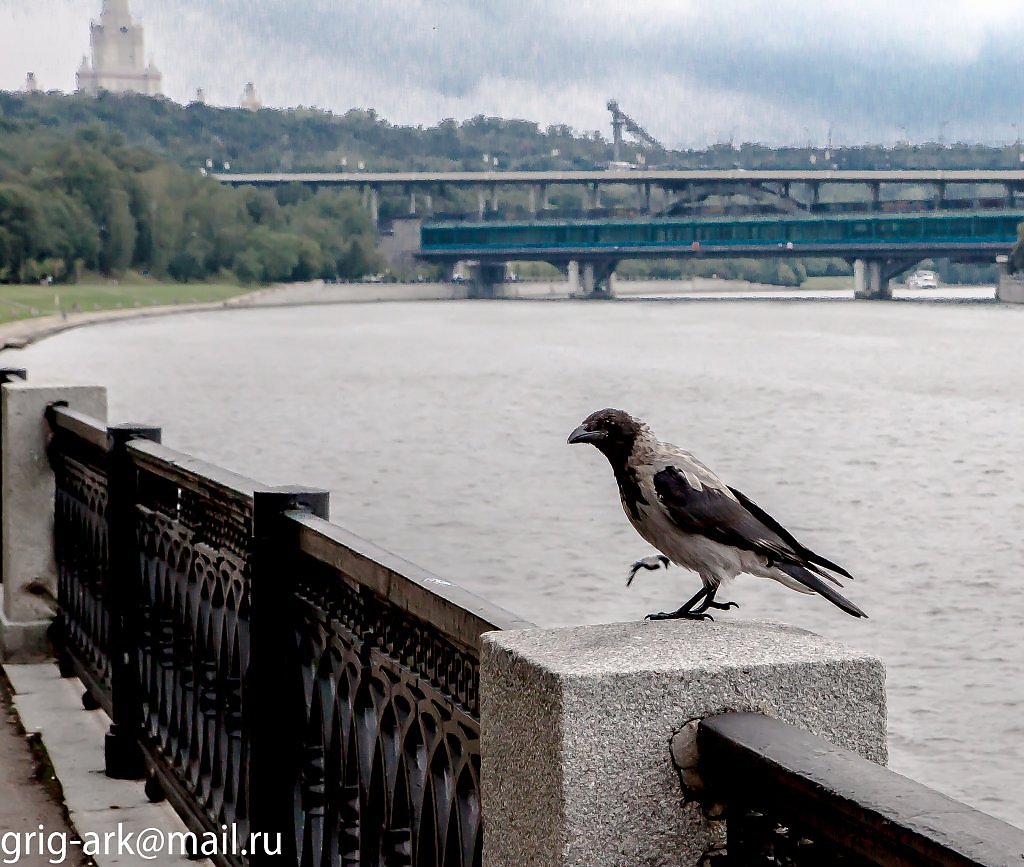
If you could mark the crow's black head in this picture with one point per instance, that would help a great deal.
(612, 431)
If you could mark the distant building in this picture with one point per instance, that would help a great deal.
(31, 84)
(200, 96)
(249, 98)
(118, 59)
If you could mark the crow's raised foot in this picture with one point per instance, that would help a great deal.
(655, 561)
(722, 606)
(680, 615)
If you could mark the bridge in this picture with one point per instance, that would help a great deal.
(879, 245)
(789, 189)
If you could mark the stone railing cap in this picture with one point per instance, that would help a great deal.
(643, 646)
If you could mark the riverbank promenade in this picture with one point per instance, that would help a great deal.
(248, 672)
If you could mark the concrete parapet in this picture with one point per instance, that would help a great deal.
(585, 732)
(29, 569)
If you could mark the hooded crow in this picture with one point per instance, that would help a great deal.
(697, 521)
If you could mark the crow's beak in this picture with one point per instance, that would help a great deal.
(582, 435)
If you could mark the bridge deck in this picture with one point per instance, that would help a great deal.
(661, 177)
(966, 233)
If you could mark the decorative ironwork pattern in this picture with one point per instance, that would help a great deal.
(350, 720)
(764, 839)
(391, 756)
(80, 545)
(194, 644)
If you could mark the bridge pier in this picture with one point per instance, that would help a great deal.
(872, 278)
(867, 281)
(572, 273)
(487, 279)
(598, 280)
(374, 207)
(645, 198)
(533, 200)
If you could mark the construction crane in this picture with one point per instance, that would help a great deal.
(620, 121)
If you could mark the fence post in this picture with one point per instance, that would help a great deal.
(29, 564)
(122, 749)
(7, 374)
(273, 707)
(587, 734)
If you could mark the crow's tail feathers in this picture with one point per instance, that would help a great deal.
(814, 583)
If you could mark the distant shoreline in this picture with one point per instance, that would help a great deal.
(19, 334)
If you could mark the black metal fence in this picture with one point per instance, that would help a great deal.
(793, 799)
(269, 671)
(266, 669)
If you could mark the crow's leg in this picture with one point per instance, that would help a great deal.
(685, 611)
(709, 602)
(654, 562)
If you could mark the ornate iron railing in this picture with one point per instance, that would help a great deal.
(390, 699)
(80, 456)
(193, 526)
(266, 669)
(794, 799)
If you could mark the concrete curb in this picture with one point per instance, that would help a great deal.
(50, 708)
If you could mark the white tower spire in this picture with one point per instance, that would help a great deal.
(115, 12)
(118, 58)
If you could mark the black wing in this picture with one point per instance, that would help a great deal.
(788, 538)
(712, 513)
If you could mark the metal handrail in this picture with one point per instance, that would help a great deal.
(86, 428)
(833, 795)
(192, 473)
(460, 615)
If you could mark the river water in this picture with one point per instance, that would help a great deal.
(886, 436)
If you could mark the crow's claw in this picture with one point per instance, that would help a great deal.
(655, 561)
(680, 615)
(723, 606)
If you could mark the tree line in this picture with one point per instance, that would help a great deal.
(109, 183)
(310, 139)
(88, 201)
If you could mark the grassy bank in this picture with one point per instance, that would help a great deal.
(26, 301)
(824, 283)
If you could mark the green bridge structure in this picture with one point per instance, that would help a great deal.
(879, 245)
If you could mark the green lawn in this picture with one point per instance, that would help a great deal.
(26, 301)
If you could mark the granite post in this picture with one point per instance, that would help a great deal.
(587, 733)
(29, 568)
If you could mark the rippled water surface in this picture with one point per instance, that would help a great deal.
(887, 436)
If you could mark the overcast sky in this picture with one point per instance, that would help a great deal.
(692, 72)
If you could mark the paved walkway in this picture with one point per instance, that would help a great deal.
(100, 808)
(25, 802)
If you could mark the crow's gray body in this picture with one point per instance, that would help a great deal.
(689, 514)
(715, 562)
